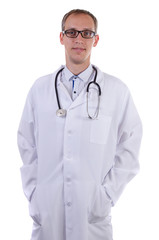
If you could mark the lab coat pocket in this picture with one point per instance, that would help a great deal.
(33, 208)
(100, 205)
(100, 129)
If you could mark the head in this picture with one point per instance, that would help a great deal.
(79, 11)
(78, 48)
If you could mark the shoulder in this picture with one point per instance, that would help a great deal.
(45, 82)
(114, 81)
(42, 86)
(111, 82)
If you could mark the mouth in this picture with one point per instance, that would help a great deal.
(78, 50)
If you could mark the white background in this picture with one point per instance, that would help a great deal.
(129, 49)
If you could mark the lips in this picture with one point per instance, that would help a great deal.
(78, 49)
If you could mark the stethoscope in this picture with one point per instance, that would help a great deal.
(62, 112)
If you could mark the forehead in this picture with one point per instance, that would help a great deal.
(79, 21)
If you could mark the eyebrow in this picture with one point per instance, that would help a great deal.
(82, 29)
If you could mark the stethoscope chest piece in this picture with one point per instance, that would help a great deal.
(61, 112)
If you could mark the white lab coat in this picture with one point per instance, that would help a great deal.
(74, 168)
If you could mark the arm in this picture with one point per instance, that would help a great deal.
(126, 164)
(27, 149)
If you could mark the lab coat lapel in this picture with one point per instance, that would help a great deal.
(66, 100)
(81, 99)
(64, 96)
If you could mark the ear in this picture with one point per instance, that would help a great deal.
(96, 40)
(61, 38)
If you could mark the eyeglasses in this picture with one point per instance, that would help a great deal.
(72, 33)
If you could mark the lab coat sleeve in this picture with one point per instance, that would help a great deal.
(27, 149)
(126, 164)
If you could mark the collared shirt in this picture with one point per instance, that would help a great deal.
(75, 83)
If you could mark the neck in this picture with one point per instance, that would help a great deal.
(77, 68)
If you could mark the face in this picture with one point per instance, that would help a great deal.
(78, 50)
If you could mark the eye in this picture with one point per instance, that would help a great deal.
(71, 33)
(88, 34)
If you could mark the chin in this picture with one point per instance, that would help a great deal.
(79, 60)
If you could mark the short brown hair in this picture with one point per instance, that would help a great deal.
(79, 11)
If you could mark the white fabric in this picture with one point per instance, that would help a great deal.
(74, 168)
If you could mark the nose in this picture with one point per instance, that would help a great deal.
(79, 38)
(80, 34)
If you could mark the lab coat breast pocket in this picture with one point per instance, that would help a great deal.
(100, 129)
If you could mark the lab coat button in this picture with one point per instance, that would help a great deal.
(69, 204)
(68, 179)
(69, 132)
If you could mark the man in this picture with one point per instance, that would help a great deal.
(77, 161)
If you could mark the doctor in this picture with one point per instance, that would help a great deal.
(77, 161)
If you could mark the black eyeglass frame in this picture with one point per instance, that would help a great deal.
(77, 33)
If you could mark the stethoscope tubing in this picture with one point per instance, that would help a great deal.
(94, 82)
(57, 95)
